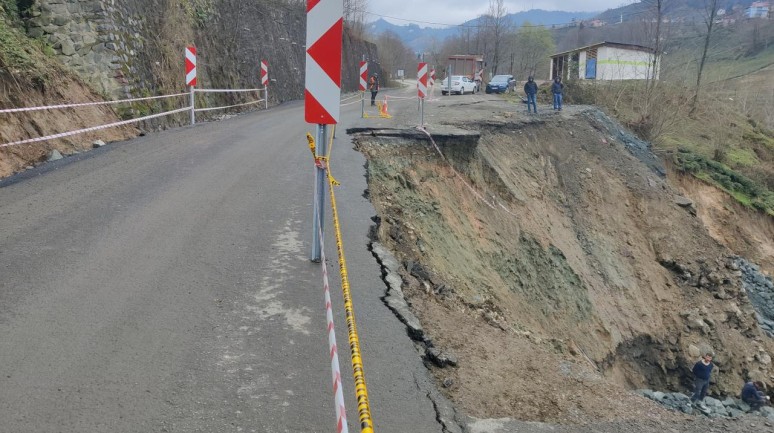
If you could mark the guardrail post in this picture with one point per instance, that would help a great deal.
(319, 194)
(193, 105)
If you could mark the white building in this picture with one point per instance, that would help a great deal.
(758, 10)
(605, 61)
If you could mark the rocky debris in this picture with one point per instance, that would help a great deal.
(638, 148)
(440, 358)
(686, 203)
(760, 292)
(97, 143)
(713, 408)
(683, 202)
(55, 155)
(715, 276)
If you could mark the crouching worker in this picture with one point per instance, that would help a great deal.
(752, 394)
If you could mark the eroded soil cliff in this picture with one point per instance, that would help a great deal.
(554, 260)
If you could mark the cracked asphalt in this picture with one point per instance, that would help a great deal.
(163, 284)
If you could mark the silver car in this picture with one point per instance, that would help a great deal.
(460, 85)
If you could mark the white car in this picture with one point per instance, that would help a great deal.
(460, 85)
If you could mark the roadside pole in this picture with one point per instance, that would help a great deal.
(265, 81)
(448, 78)
(319, 192)
(363, 85)
(322, 101)
(190, 78)
(422, 91)
(193, 105)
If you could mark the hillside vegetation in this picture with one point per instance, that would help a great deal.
(728, 140)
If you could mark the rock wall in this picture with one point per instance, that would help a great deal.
(135, 47)
(83, 36)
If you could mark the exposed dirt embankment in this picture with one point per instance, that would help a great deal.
(28, 78)
(554, 260)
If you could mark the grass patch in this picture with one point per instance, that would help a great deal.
(743, 157)
(742, 188)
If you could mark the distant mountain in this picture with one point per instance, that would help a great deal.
(421, 38)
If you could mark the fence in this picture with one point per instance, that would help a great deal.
(191, 108)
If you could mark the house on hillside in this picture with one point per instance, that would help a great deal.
(758, 10)
(605, 61)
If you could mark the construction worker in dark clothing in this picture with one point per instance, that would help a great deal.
(373, 86)
(752, 395)
(531, 89)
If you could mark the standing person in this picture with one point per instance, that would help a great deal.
(556, 88)
(752, 395)
(701, 373)
(531, 88)
(373, 85)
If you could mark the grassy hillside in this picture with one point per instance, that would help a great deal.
(728, 140)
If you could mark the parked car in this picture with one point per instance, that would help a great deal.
(459, 85)
(500, 84)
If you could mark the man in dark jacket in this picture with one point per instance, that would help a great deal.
(752, 395)
(531, 88)
(556, 88)
(701, 373)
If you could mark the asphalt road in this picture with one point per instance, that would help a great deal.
(163, 285)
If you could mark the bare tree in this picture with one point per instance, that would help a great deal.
(354, 15)
(658, 8)
(394, 55)
(497, 25)
(711, 9)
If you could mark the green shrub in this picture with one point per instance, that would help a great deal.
(744, 189)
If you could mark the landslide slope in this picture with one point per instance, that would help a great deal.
(550, 256)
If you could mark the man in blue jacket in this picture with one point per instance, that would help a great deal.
(531, 88)
(752, 395)
(557, 88)
(701, 373)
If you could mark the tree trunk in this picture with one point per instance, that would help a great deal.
(710, 23)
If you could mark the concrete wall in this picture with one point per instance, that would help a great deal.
(622, 64)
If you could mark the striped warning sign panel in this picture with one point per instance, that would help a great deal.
(324, 31)
(190, 66)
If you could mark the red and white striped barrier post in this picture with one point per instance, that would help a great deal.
(190, 77)
(422, 91)
(265, 81)
(324, 32)
(363, 85)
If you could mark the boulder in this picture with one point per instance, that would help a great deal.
(55, 155)
(693, 351)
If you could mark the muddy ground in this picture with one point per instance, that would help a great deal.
(552, 258)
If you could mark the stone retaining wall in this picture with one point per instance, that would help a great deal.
(135, 47)
(85, 36)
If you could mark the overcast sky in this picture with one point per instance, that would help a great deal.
(458, 11)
